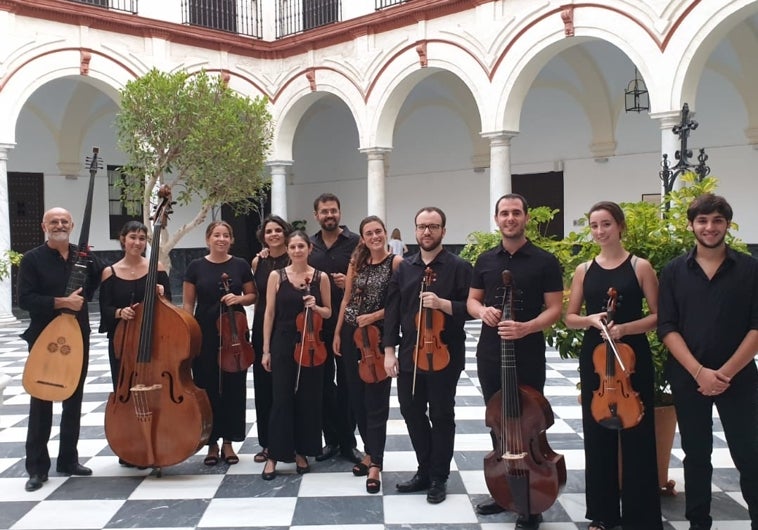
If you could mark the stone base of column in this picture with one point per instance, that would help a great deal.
(7, 319)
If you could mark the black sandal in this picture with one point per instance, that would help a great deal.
(373, 485)
(597, 525)
(231, 458)
(261, 457)
(360, 469)
(212, 458)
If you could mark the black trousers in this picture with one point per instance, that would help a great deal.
(738, 411)
(41, 423)
(338, 420)
(432, 435)
(262, 383)
(370, 401)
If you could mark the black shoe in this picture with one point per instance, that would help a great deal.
(75, 469)
(417, 483)
(437, 492)
(529, 522)
(35, 482)
(328, 452)
(489, 507)
(352, 455)
(269, 475)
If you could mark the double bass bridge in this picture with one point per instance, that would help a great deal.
(513, 456)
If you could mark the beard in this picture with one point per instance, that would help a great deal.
(704, 244)
(429, 244)
(58, 237)
(330, 225)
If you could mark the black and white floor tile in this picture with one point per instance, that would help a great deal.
(191, 495)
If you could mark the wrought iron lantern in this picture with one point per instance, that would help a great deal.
(635, 95)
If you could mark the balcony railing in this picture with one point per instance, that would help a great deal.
(295, 16)
(242, 17)
(381, 4)
(127, 6)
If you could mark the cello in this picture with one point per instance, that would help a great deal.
(235, 353)
(367, 338)
(431, 353)
(310, 350)
(615, 404)
(157, 417)
(522, 473)
(54, 367)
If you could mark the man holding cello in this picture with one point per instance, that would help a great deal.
(426, 298)
(42, 280)
(539, 295)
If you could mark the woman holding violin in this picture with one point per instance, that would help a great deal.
(123, 286)
(357, 338)
(298, 300)
(633, 279)
(205, 287)
(273, 236)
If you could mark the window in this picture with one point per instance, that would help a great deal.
(117, 206)
(215, 14)
(319, 13)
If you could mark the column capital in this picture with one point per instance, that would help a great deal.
(375, 151)
(4, 148)
(499, 137)
(285, 163)
(667, 119)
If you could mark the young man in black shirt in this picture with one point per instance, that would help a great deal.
(332, 248)
(432, 436)
(538, 286)
(708, 319)
(42, 279)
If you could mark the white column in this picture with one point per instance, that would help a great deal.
(6, 287)
(279, 187)
(375, 181)
(500, 168)
(669, 140)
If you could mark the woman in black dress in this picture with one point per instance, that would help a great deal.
(123, 286)
(295, 424)
(368, 276)
(202, 285)
(634, 279)
(273, 236)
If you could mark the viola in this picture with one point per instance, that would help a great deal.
(310, 350)
(522, 473)
(367, 339)
(431, 353)
(235, 353)
(157, 416)
(615, 404)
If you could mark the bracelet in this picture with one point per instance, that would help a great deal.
(697, 373)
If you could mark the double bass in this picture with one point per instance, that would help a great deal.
(235, 353)
(431, 353)
(615, 404)
(157, 417)
(522, 473)
(54, 366)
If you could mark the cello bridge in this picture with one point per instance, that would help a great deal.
(513, 456)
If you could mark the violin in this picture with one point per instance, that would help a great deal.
(615, 404)
(367, 339)
(235, 353)
(522, 473)
(431, 353)
(310, 350)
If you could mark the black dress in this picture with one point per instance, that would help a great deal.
(295, 425)
(226, 391)
(639, 495)
(261, 378)
(117, 293)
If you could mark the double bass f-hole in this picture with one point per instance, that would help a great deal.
(367, 338)
(615, 404)
(310, 351)
(235, 353)
(431, 353)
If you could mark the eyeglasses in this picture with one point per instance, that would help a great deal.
(431, 228)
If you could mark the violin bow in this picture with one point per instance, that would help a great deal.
(307, 289)
(610, 341)
(418, 334)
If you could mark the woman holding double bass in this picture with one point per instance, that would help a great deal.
(633, 279)
(204, 294)
(357, 339)
(298, 300)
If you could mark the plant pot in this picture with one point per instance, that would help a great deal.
(665, 427)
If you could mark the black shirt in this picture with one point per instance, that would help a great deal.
(453, 276)
(42, 277)
(534, 272)
(333, 259)
(712, 316)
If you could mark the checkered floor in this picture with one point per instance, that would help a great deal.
(191, 495)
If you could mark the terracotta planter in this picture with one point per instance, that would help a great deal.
(665, 427)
